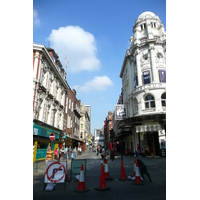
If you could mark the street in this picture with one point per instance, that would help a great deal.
(119, 189)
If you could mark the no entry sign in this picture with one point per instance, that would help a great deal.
(52, 137)
(55, 172)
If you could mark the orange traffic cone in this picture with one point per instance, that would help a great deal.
(107, 172)
(123, 175)
(137, 176)
(134, 168)
(102, 181)
(81, 185)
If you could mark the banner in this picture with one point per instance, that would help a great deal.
(120, 112)
(162, 74)
(146, 77)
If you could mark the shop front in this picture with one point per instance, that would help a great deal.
(149, 140)
(41, 141)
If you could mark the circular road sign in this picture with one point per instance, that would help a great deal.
(52, 137)
(55, 172)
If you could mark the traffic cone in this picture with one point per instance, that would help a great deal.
(134, 168)
(123, 175)
(137, 176)
(81, 186)
(107, 172)
(66, 175)
(102, 186)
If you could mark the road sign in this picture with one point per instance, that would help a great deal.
(55, 172)
(52, 137)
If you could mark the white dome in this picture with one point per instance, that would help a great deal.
(146, 14)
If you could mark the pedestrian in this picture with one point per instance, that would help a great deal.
(138, 149)
(70, 151)
(56, 153)
(97, 150)
(66, 153)
(103, 153)
(75, 152)
(72, 156)
(49, 154)
(79, 150)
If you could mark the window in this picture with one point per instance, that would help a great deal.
(135, 105)
(146, 77)
(149, 101)
(69, 103)
(135, 81)
(163, 99)
(66, 105)
(72, 105)
(81, 125)
(162, 76)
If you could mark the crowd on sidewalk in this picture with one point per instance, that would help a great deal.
(64, 152)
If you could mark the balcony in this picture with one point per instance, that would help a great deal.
(149, 87)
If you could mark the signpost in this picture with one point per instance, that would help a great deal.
(55, 173)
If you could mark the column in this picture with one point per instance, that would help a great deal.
(138, 67)
(36, 59)
(153, 64)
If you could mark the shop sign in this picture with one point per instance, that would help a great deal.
(120, 112)
(35, 131)
(148, 128)
(42, 131)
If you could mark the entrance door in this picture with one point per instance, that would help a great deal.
(153, 143)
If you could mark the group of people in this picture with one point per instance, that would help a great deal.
(65, 153)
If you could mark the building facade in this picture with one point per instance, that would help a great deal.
(84, 122)
(49, 91)
(143, 75)
(108, 126)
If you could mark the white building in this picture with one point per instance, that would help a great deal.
(143, 76)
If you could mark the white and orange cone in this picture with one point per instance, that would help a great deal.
(81, 185)
(134, 168)
(106, 171)
(137, 176)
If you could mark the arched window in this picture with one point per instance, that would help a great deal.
(163, 99)
(135, 105)
(149, 101)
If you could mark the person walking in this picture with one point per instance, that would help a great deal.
(138, 149)
(66, 153)
(75, 152)
(56, 153)
(70, 152)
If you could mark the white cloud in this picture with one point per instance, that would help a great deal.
(36, 21)
(99, 83)
(79, 47)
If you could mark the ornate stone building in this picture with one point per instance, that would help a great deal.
(143, 76)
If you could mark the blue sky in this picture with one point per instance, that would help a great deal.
(93, 36)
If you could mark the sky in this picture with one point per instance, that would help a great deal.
(91, 38)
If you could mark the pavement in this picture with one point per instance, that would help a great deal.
(119, 189)
(40, 166)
